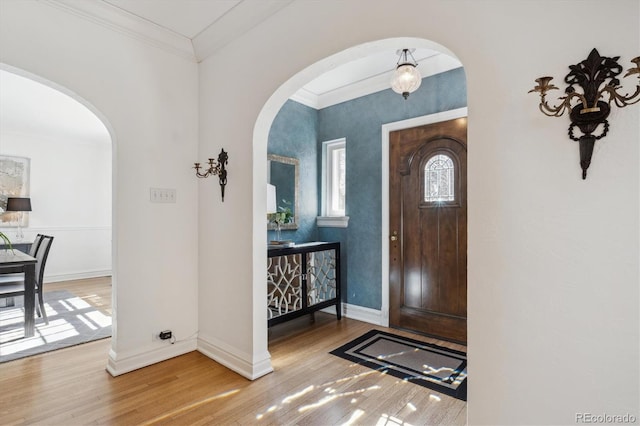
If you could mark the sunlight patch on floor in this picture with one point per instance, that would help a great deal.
(354, 418)
(13, 340)
(387, 420)
(327, 388)
(348, 378)
(75, 303)
(328, 399)
(86, 322)
(304, 391)
(99, 318)
(60, 331)
(186, 408)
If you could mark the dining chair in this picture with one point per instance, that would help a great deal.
(34, 246)
(13, 285)
(18, 276)
(32, 252)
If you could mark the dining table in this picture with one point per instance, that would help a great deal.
(15, 261)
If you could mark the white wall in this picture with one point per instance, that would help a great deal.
(148, 101)
(70, 190)
(553, 260)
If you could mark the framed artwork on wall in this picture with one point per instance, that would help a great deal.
(14, 182)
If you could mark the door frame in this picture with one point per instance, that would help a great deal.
(386, 129)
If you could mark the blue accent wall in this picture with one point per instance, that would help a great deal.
(360, 122)
(298, 131)
(294, 134)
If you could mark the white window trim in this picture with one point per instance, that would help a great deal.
(332, 221)
(330, 218)
(327, 184)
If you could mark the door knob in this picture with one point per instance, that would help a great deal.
(394, 237)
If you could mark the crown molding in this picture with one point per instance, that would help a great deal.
(118, 20)
(305, 97)
(356, 90)
(432, 65)
(237, 21)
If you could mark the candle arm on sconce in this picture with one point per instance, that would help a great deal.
(597, 77)
(215, 168)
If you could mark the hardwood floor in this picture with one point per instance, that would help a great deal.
(309, 386)
(95, 291)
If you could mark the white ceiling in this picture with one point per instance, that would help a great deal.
(193, 29)
(32, 108)
(188, 18)
(197, 28)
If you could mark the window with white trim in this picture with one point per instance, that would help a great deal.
(334, 171)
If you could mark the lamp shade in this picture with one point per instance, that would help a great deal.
(18, 204)
(272, 206)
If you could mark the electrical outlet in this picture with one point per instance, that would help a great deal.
(162, 335)
(162, 195)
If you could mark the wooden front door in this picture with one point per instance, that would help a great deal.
(428, 225)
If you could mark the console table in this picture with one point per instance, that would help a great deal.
(301, 280)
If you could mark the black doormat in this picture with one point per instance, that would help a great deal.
(432, 366)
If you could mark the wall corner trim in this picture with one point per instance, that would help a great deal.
(233, 359)
(359, 313)
(118, 364)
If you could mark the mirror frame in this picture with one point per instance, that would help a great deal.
(296, 165)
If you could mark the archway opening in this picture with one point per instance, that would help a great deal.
(57, 149)
(375, 308)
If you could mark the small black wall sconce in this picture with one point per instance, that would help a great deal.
(216, 168)
(597, 76)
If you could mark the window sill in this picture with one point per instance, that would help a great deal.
(332, 221)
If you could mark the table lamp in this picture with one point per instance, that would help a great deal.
(19, 204)
(271, 199)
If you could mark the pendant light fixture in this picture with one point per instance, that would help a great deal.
(406, 79)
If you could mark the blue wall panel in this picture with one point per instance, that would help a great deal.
(298, 131)
(294, 134)
(360, 122)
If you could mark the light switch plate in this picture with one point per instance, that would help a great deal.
(162, 195)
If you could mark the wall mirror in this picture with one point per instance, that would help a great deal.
(283, 173)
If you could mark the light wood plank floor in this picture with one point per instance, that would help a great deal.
(308, 387)
(95, 291)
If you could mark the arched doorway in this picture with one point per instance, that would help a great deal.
(261, 131)
(67, 146)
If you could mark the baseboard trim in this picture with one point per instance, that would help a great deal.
(233, 359)
(359, 313)
(117, 364)
(221, 352)
(77, 276)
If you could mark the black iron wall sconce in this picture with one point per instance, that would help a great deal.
(216, 168)
(597, 76)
